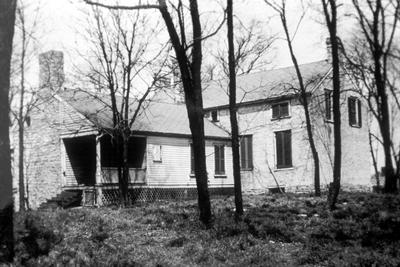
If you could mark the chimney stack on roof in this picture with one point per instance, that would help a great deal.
(51, 70)
(329, 49)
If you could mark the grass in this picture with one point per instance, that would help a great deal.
(276, 230)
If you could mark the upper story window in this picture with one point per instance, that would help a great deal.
(355, 117)
(246, 152)
(328, 104)
(283, 149)
(219, 155)
(280, 110)
(214, 115)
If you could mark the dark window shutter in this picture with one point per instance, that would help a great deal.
(359, 113)
(222, 156)
(284, 109)
(279, 149)
(328, 112)
(352, 111)
(250, 152)
(243, 152)
(216, 156)
(288, 148)
(275, 111)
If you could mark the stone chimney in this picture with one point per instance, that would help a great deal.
(51, 70)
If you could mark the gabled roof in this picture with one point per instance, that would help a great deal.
(264, 84)
(154, 118)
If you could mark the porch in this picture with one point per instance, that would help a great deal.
(90, 165)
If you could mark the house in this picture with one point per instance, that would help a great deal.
(274, 143)
(67, 148)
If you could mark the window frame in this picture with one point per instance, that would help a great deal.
(214, 115)
(357, 114)
(219, 161)
(245, 140)
(279, 104)
(283, 149)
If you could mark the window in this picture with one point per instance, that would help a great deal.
(214, 115)
(280, 110)
(354, 112)
(157, 153)
(328, 104)
(219, 154)
(246, 152)
(283, 149)
(28, 121)
(191, 159)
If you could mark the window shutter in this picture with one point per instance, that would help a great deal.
(243, 152)
(288, 148)
(222, 157)
(328, 112)
(352, 110)
(216, 156)
(284, 107)
(359, 113)
(250, 152)
(279, 150)
(275, 111)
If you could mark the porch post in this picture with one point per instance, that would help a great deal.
(99, 174)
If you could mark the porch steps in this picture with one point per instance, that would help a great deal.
(66, 199)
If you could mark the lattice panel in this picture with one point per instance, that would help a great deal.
(112, 196)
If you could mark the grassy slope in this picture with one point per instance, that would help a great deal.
(276, 231)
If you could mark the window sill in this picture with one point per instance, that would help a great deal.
(328, 121)
(281, 118)
(289, 168)
(355, 126)
(220, 176)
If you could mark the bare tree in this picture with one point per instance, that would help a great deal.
(233, 111)
(7, 21)
(330, 14)
(189, 55)
(22, 55)
(281, 10)
(123, 59)
(370, 58)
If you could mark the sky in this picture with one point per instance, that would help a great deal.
(61, 27)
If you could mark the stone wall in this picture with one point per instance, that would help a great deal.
(257, 121)
(42, 153)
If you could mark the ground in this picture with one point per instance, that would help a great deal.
(277, 230)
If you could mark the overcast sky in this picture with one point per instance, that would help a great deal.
(61, 28)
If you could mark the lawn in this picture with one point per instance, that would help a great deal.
(277, 230)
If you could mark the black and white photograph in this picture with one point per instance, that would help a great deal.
(199, 133)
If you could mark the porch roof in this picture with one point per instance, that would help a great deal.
(154, 118)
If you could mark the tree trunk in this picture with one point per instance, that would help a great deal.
(7, 20)
(337, 161)
(191, 80)
(304, 100)
(330, 12)
(378, 185)
(317, 186)
(21, 125)
(232, 114)
(125, 169)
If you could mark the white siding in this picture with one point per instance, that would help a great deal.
(174, 169)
